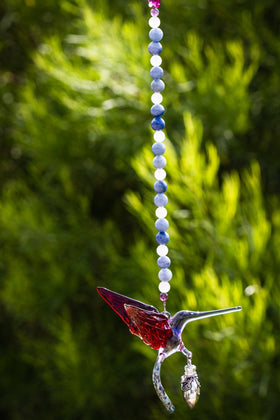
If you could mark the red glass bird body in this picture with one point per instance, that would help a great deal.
(161, 333)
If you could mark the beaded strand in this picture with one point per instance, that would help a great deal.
(158, 149)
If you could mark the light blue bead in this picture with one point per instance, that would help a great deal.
(160, 186)
(157, 85)
(155, 48)
(163, 262)
(158, 148)
(156, 72)
(160, 200)
(161, 225)
(155, 34)
(159, 162)
(165, 274)
(162, 238)
(157, 110)
(158, 123)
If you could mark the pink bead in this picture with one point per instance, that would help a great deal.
(154, 3)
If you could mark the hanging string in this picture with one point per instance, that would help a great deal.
(158, 149)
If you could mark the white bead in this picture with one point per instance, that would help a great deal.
(154, 22)
(156, 98)
(164, 287)
(159, 136)
(160, 174)
(162, 250)
(161, 213)
(156, 60)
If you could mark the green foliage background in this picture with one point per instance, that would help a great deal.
(76, 205)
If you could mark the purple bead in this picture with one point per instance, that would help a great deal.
(158, 123)
(161, 225)
(163, 262)
(163, 297)
(165, 274)
(155, 48)
(155, 34)
(156, 72)
(157, 110)
(158, 148)
(154, 12)
(159, 162)
(157, 85)
(160, 200)
(162, 238)
(160, 187)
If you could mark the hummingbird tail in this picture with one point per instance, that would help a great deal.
(159, 387)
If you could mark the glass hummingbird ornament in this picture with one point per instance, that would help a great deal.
(163, 333)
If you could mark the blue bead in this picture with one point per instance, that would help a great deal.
(158, 148)
(160, 186)
(157, 85)
(157, 110)
(159, 162)
(165, 274)
(155, 48)
(158, 123)
(160, 200)
(162, 238)
(161, 225)
(156, 72)
(155, 34)
(163, 262)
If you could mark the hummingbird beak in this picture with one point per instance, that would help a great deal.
(193, 316)
(182, 318)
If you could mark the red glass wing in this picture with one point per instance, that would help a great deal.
(153, 327)
(117, 302)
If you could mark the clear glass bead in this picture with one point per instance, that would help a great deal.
(162, 250)
(154, 22)
(160, 174)
(159, 136)
(156, 98)
(161, 212)
(156, 60)
(164, 287)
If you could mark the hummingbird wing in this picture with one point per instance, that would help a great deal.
(118, 302)
(153, 327)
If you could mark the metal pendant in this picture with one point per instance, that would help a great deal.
(190, 385)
